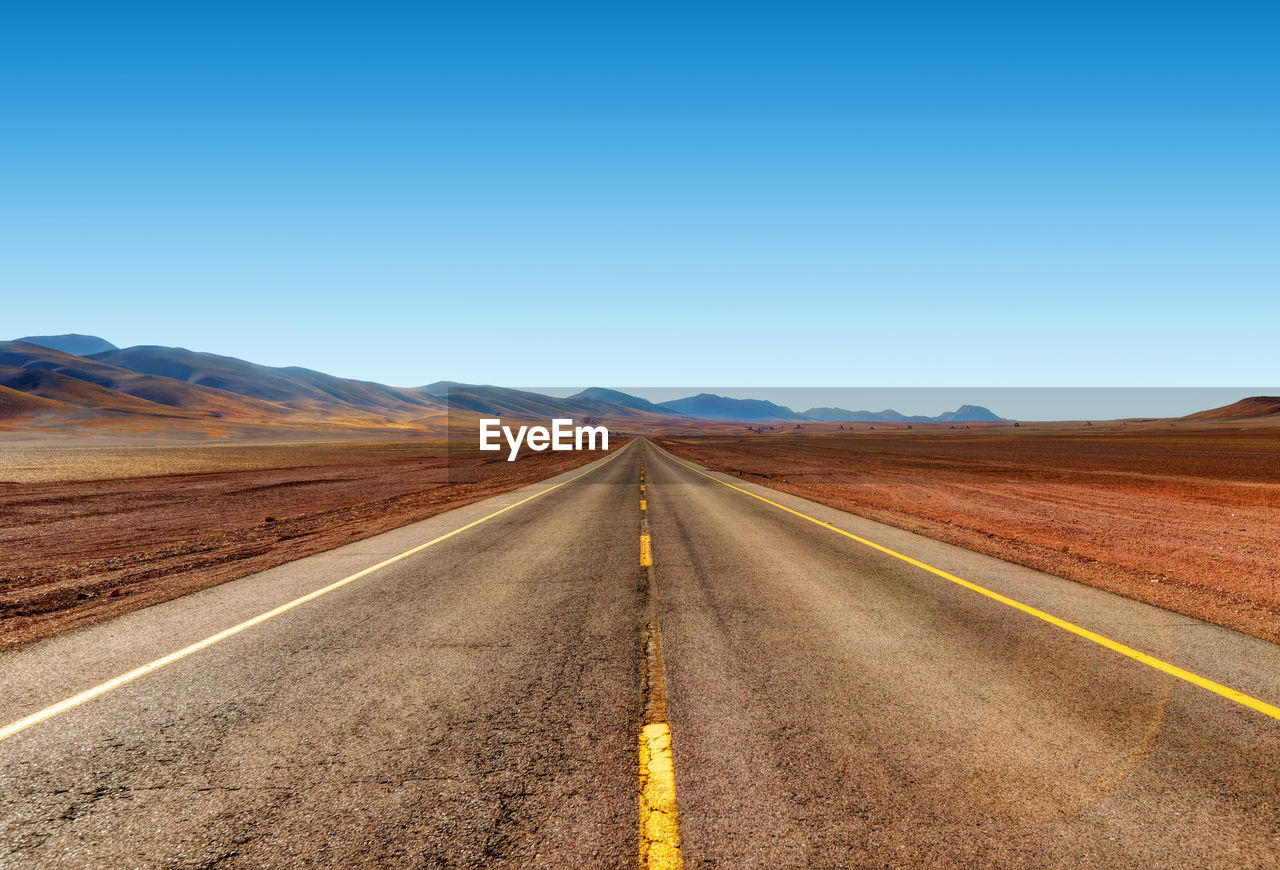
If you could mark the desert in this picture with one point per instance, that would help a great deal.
(1184, 515)
(679, 436)
(91, 531)
(135, 475)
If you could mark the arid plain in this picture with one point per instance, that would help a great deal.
(1181, 515)
(91, 531)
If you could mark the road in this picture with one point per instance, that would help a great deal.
(501, 689)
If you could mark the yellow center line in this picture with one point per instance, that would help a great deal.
(89, 694)
(659, 815)
(1115, 646)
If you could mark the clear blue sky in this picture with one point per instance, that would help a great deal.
(811, 194)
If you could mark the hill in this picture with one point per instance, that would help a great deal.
(16, 403)
(72, 342)
(617, 397)
(156, 390)
(963, 414)
(968, 414)
(843, 415)
(118, 394)
(709, 406)
(489, 400)
(1251, 408)
(155, 386)
(173, 387)
(62, 390)
(296, 388)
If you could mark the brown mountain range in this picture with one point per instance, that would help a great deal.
(157, 389)
(153, 388)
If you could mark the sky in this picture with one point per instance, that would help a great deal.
(772, 194)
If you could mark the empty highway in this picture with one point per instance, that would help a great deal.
(642, 662)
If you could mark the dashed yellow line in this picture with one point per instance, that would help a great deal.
(643, 506)
(659, 816)
(1115, 646)
(89, 694)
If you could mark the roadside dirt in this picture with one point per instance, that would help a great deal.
(88, 533)
(1188, 520)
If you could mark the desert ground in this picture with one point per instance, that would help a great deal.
(1185, 517)
(91, 529)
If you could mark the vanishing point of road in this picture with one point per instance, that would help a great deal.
(642, 662)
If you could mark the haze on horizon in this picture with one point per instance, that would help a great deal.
(1012, 403)
(925, 195)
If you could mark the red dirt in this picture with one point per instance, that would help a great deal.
(87, 533)
(1184, 518)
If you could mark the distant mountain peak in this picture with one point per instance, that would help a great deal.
(709, 406)
(72, 343)
(617, 397)
(963, 414)
(88, 376)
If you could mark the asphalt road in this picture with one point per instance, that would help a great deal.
(478, 703)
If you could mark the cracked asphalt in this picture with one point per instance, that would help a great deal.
(478, 705)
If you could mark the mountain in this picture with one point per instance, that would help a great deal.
(842, 415)
(297, 388)
(486, 399)
(79, 376)
(1252, 408)
(15, 403)
(601, 394)
(708, 406)
(712, 407)
(126, 386)
(72, 342)
(71, 392)
(963, 414)
(152, 387)
(968, 414)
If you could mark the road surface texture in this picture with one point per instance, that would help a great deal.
(478, 702)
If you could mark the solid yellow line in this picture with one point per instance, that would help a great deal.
(646, 553)
(89, 694)
(659, 818)
(1115, 646)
